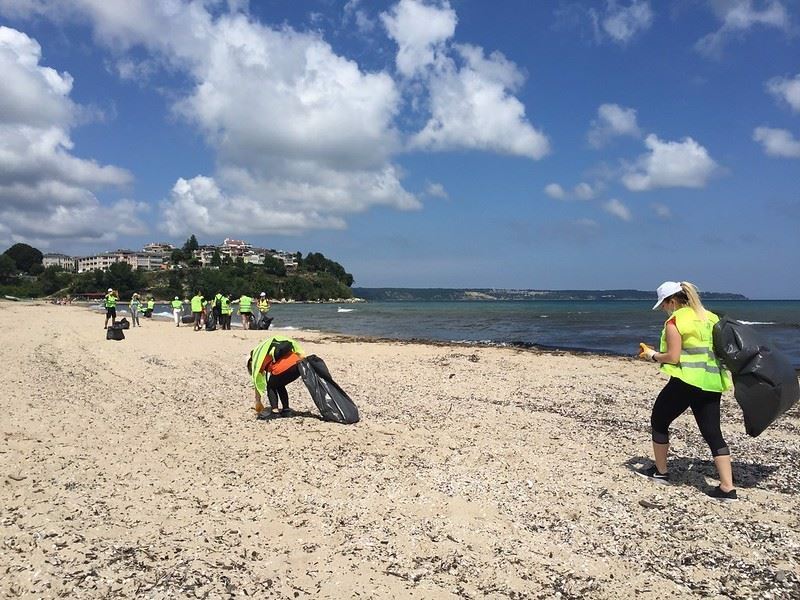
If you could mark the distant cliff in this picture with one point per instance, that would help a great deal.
(483, 294)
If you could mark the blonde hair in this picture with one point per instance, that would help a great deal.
(689, 296)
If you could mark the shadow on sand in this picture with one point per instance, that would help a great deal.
(693, 471)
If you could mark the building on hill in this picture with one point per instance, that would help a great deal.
(142, 261)
(234, 248)
(159, 248)
(68, 263)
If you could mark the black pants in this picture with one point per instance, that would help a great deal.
(671, 403)
(276, 387)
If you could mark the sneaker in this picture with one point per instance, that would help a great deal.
(268, 415)
(718, 494)
(653, 474)
(287, 412)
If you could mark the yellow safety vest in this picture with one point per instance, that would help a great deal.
(225, 309)
(263, 306)
(244, 304)
(177, 304)
(698, 365)
(260, 353)
(111, 301)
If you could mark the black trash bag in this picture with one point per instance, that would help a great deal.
(123, 323)
(211, 322)
(264, 322)
(764, 382)
(332, 401)
(115, 333)
(187, 319)
(148, 314)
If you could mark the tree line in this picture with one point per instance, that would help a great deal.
(316, 277)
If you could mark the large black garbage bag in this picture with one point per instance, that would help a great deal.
(211, 322)
(332, 401)
(764, 381)
(115, 333)
(264, 322)
(123, 323)
(187, 319)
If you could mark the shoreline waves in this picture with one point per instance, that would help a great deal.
(137, 468)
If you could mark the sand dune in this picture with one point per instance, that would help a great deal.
(137, 468)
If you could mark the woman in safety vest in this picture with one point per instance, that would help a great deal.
(110, 304)
(134, 308)
(272, 366)
(225, 311)
(151, 304)
(697, 380)
(177, 309)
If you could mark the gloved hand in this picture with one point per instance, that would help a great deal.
(645, 351)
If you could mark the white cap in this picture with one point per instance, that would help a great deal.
(665, 290)
(263, 293)
(176, 297)
(110, 290)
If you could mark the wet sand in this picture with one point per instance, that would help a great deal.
(137, 469)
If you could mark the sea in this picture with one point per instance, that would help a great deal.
(602, 327)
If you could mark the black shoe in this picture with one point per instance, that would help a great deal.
(268, 415)
(287, 412)
(718, 494)
(653, 474)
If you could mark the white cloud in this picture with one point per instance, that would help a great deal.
(777, 142)
(786, 89)
(468, 94)
(46, 192)
(739, 16)
(354, 13)
(472, 108)
(554, 190)
(622, 23)
(618, 209)
(670, 164)
(420, 31)
(662, 211)
(583, 191)
(199, 205)
(436, 190)
(295, 126)
(612, 120)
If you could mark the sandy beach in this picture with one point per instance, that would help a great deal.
(137, 469)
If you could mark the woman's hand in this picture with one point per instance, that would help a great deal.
(646, 352)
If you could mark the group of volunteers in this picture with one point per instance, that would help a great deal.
(135, 306)
(220, 308)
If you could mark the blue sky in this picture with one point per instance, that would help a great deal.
(420, 143)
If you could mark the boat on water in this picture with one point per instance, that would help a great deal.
(344, 310)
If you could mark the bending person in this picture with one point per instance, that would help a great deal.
(272, 366)
(697, 380)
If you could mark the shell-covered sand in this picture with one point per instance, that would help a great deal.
(137, 469)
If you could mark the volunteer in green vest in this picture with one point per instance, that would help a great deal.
(110, 304)
(263, 304)
(272, 366)
(197, 310)
(697, 380)
(177, 308)
(225, 311)
(245, 303)
(151, 304)
(134, 308)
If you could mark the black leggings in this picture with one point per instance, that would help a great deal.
(276, 387)
(674, 399)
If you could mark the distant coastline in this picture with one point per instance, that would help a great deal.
(495, 294)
